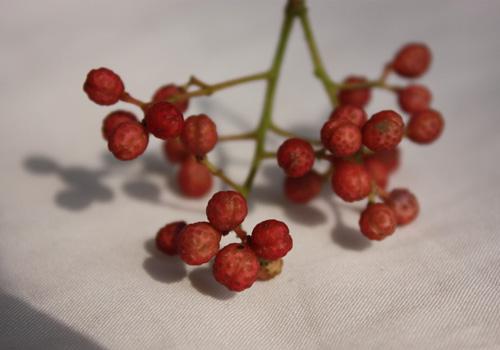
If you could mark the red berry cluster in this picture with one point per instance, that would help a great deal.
(238, 265)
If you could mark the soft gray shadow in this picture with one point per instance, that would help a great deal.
(83, 185)
(161, 267)
(23, 327)
(203, 280)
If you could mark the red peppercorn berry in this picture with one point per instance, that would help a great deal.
(390, 158)
(342, 138)
(378, 171)
(377, 221)
(358, 97)
(236, 267)
(114, 119)
(353, 114)
(295, 157)
(414, 98)
(425, 127)
(128, 141)
(166, 238)
(351, 181)
(167, 91)
(226, 210)
(194, 178)
(383, 131)
(198, 243)
(103, 86)
(174, 150)
(404, 204)
(303, 189)
(199, 134)
(271, 239)
(412, 60)
(163, 120)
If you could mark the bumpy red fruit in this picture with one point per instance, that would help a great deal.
(174, 150)
(390, 159)
(199, 134)
(103, 86)
(271, 239)
(377, 221)
(128, 141)
(425, 127)
(167, 91)
(404, 204)
(357, 97)
(236, 266)
(378, 171)
(303, 189)
(194, 179)
(383, 131)
(226, 210)
(412, 60)
(343, 139)
(351, 181)
(164, 121)
(350, 113)
(295, 157)
(198, 243)
(113, 119)
(414, 98)
(166, 238)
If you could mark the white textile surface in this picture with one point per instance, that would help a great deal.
(77, 268)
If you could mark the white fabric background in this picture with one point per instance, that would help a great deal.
(76, 268)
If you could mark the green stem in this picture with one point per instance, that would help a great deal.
(285, 133)
(220, 174)
(238, 137)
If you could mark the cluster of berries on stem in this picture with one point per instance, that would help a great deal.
(361, 152)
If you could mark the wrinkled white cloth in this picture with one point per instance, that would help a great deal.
(77, 268)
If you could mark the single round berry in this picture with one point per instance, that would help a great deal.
(412, 60)
(383, 131)
(303, 189)
(167, 91)
(377, 221)
(164, 121)
(269, 269)
(128, 141)
(296, 157)
(351, 181)
(390, 158)
(103, 86)
(358, 97)
(113, 119)
(353, 114)
(425, 127)
(166, 238)
(404, 204)
(226, 210)
(414, 98)
(343, 140)
(198, 243)
(378, 171)
(236, 266)
(174, 150)
(194, 179)
(199, 134)
(271, 240)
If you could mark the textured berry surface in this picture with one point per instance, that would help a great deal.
(344, 139)
(167, 91)
(103, 86)
(383, 131)
(351, 181)
(198, 243)
(236, 266)
(295, 157)
(174, 150)
(377, 221)
(404, 204)
(199, 134)
(356, 97)
(113, 119)
(378, 171)
(414, 98)
(269, 269)
(350, 113)
(412, 60)
(271, 239)
(128, 141)
(390, 159)
(226, 210)
(164, 121)
(194, 179)
(425, 127)
(303, 189)
(166, 238)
